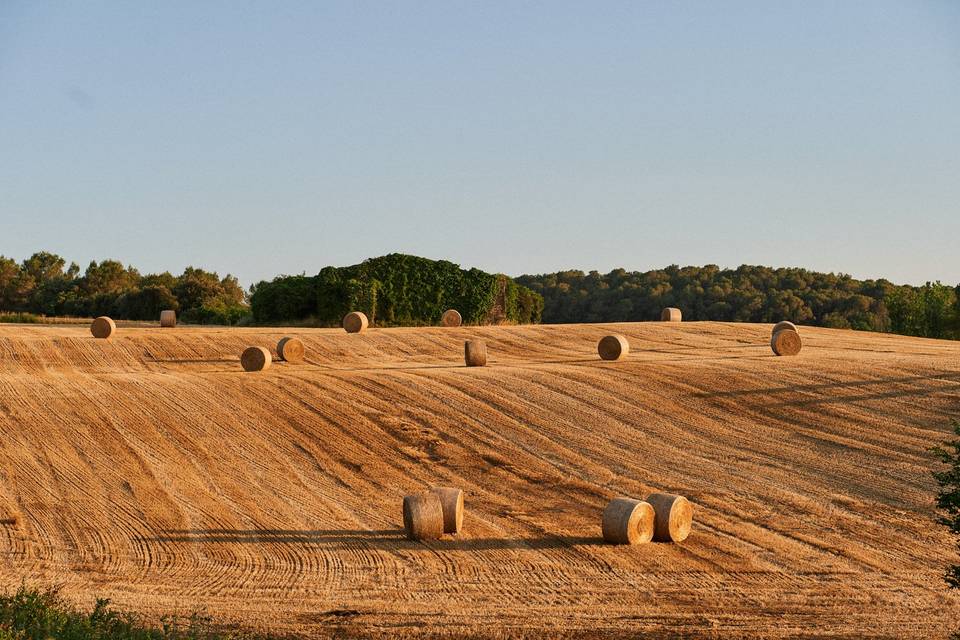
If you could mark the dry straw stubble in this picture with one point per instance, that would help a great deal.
(451, 318)
(103, 328)
(613, 347)
(355, 322)
(451, 500)
(255, 359)
(628, 521)
(290, 349)
(674, 517)
(786, 342)
(423, 516)
(475, 353)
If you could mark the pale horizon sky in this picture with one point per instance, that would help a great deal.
(259, 138)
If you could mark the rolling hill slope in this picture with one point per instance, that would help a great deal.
(152, 470)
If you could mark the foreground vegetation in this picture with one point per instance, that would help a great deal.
(750, 294)
(39, 614)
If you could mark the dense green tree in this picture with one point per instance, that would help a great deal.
(948, 498)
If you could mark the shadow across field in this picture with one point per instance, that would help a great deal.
(387, 539)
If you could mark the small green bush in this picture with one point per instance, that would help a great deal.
(19, 318)
(42, 614)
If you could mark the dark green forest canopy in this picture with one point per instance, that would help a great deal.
(749, 294)
(395, 290)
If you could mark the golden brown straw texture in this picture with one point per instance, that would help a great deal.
(355, 322)
(423, 516)
(475, 353)
(784, 324)
(103, 328)
(671, 314)
(628, 521)
(786, 342)
(255, 359)
(674, 517)
(168, 318)
(290, 349)
(451, 500)
(451, 318)
(613, 347)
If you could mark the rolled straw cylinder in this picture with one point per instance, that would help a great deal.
(671, 314)
(355, 322)
(475, 353)
(103, 328)
(628, 521)
(786, 342)
(168, 318)
(451, 318)
(674, 517)
(290, 349)
(784, 324)
(255, 359)
(451, 501)
(423, 516)
(613, 347)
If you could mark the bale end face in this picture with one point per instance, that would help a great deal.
(290, 350)
(255, 359)
(451, 501)
(355, 322)
(103, 328)
(451, 318)
(613, 347)
(786, 342)
(628, 521)
(671, 314)
(475, 353)
(423, 516)
(168, 319)
(784, 324)
(674, 517)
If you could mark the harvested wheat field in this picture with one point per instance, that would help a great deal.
(151, 469)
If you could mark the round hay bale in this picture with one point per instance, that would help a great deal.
(290, 349)
(786, 342)
(475, 353)
(674, 517)
(451, 500)
(671, 314)
(355, 322)
(628, 521)
(613, 347)
(451, 318)
(168, 318)
(255, 359)
(423, 516)
(784, 324)
(103, 328)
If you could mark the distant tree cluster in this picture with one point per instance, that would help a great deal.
(749, 294)
(394, 290)
(44, 284)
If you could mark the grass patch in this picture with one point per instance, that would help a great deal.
(41, 614)
(19, 318)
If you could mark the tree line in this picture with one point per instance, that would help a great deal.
(44, 284)
(750, 294)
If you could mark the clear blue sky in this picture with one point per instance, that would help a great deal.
(520, 137)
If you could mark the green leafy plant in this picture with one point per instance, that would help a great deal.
(948, 497)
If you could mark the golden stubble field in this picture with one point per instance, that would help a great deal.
(152, 470)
